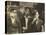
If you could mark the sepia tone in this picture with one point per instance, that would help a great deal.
(24, 17)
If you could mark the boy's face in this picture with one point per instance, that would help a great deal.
(22, 10)
(13, 13)
(27, 11)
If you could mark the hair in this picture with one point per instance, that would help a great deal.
(30, 9)
(12, 9)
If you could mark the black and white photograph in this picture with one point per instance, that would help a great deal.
(24, 17)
